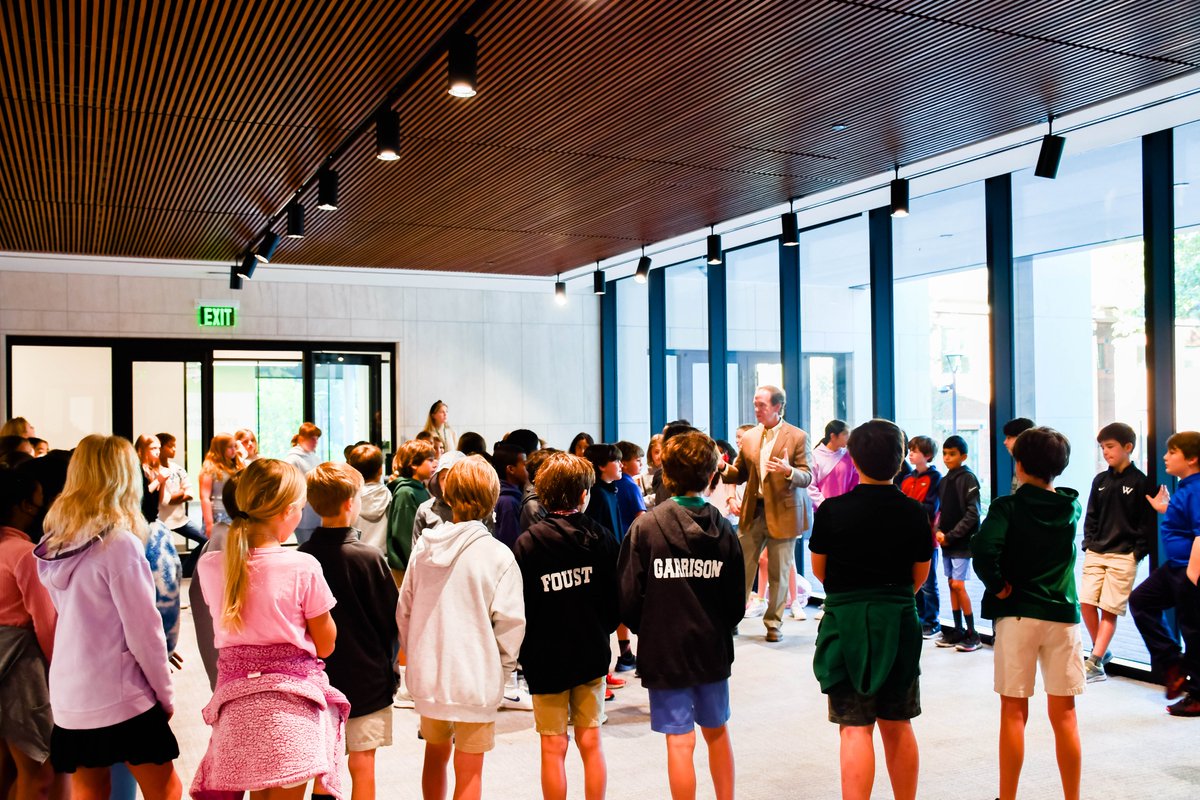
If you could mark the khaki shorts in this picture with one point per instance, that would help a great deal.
(1108, 580)
(469, 737)
(370, 731)
(581, 706)
(1022, 643)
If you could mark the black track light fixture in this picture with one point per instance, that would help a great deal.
(790, 227)
(643, 268)
(599, 285)
(235, 278)
(248, 265)
(266, 249)
(387, 135)
(463, 65)
(327, 190)
(295, 220)
(560, 290)
(1051, 153)
(899, 195)
(714, 246)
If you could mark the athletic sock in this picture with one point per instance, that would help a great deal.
(970, 624)
(958, 620)
(624, 646)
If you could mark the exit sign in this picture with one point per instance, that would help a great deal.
(216, 316)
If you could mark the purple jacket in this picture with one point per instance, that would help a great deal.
(833, 474)
(110, 653)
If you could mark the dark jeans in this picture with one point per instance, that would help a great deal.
(929, 605)
(192, 532)
(1168, 587)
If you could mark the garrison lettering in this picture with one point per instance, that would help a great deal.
(687, 568)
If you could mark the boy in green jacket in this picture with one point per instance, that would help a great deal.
(416, 461)
(1025, 556)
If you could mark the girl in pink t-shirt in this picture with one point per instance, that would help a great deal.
(276, 720)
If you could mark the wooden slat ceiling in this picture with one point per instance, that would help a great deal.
(173, 130)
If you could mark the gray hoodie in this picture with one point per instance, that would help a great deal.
(372, 519)
(462, 620)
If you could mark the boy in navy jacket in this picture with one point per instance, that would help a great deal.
(568, 568)
(682, 587)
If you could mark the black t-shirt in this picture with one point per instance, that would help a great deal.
(871, 536)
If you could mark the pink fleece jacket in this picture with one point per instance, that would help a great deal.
(275, 721)
(833, 474)
(110, 652)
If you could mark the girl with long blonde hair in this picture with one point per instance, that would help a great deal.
(270, 609)
(93, 563)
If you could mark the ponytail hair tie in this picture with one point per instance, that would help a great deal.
(241, 515)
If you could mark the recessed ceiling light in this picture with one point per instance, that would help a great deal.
(838, 127)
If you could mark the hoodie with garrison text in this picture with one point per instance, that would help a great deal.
(681, 584)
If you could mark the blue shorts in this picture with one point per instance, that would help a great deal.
(956, 569)
(681, 710)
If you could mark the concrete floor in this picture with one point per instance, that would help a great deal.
(785, 747)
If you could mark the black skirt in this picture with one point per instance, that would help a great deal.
(144, 739)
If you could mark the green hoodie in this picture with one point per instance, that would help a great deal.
(1028, 541)
(407, 494)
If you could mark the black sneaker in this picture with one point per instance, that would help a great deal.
(949, 638)
(930, 631)
(1189, 706)
(969, 643)
(626, 662)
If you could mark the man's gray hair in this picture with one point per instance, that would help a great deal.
(778, 396)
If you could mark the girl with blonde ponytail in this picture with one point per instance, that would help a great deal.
(110, 686)
(270, 609)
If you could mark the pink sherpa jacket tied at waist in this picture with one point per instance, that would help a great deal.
(276, 721)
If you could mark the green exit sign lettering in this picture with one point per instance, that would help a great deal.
(217, 316)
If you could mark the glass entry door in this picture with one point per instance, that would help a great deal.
(347, 400)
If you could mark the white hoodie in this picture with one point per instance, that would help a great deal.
(462, 620)
(372, 520)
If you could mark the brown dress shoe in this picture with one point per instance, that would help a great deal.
(774, 635)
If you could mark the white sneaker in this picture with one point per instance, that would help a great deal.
(517, 699)
(403, 699)
(756, 607)
(797, 611)
(820, 615)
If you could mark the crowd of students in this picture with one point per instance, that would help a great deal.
(443, 580)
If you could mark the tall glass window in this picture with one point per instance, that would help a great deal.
(835, 320)
(1080, 317)
(66, 392)
(266, 394)
(633, 361)
(687, 343)
(943, 341)
(752, 327)
(1187, 277)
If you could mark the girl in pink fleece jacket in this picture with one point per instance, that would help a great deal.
(833, 471)
(110, 686)
(276, 721)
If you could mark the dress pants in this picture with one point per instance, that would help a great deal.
(781, 556)
(1168, 587)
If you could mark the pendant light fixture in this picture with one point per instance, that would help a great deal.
(598, 283)
(790, 227)
(249, 264)
(714, 246)
(643, 267)
(560, 290)
(1051, 153)
(327, 191)
(899, 195)
(235, 278)
(463, 65)
(295, 220)
(270, 241)
(387, 135)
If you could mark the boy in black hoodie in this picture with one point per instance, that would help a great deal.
(682, 587)
(958, 496)
(568, 566)
(509, 461)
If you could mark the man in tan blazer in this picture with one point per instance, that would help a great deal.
(773, 463)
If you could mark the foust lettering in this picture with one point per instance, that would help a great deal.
(687, 568)
(566, 579)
